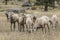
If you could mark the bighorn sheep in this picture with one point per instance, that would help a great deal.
(41, 22)
(12, 18)
(54, 21)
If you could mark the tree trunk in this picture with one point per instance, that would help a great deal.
(6, 2)
(46, 6)
(53, 4)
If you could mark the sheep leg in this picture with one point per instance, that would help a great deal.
(20, 28)
(11, 26)
(31, 28)
(52, 25)
(44, 28)
(41, 27)
(23, 28)
(56, 24)
(48, 28)
(28, 27)
(14, 26)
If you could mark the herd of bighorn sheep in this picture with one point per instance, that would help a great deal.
(31, 22)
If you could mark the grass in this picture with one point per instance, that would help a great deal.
(6, 34)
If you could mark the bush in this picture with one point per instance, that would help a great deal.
(33, 8)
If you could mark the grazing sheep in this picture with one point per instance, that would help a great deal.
(54, 21)
(12, 18)
(41, 22)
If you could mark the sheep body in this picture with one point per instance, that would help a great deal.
(41, 22)
(29, 23)
(54, 20)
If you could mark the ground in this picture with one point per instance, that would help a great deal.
(6, 34)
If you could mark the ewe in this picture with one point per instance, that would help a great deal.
(54, 21)
(12, 18)
(41, 22)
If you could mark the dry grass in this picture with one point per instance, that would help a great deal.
(6, 34)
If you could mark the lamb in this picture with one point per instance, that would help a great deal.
(41, 22)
